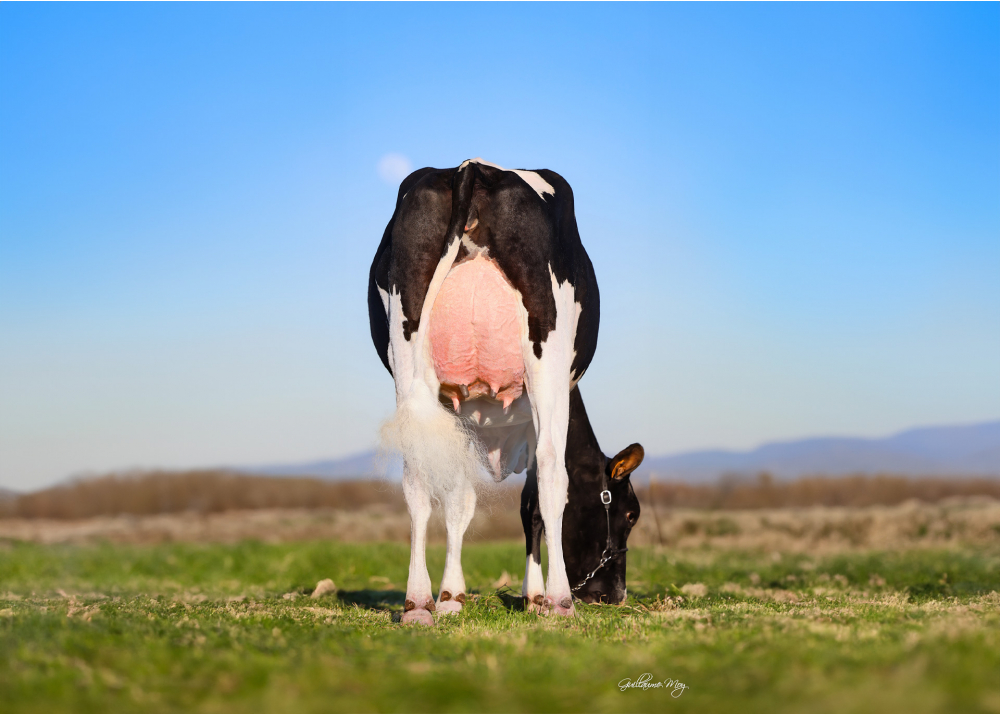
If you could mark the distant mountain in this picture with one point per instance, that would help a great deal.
(365, 465)
(965, 450)
(960, 450)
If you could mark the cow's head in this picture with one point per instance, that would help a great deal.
(586, 523)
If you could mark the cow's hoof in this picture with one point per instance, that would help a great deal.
(418, 617)
(448, 607)
(450, 604)
(562, 607)
(414, 614)
(534, 604)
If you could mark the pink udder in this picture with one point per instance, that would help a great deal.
(475, 334)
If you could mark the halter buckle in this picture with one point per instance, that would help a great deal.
(605, 497)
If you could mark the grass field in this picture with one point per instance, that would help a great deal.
(208, 627)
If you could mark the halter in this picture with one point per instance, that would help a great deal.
(608, 552)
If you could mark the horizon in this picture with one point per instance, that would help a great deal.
(778, 441)
(272, 468)
(793, 213)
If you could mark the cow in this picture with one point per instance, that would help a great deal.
(484, 308)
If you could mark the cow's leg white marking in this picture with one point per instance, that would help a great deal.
(459, 507)
(548, 382)
(553, 481)
(419, 599)
(533, 589)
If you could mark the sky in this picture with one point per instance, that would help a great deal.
(793, 211)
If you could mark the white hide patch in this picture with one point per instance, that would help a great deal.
(472, 248)
(384, 295)
(559, 347)
(536, 182)
(539, 185)
(480, 160)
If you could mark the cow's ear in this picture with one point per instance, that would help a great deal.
(626, 461)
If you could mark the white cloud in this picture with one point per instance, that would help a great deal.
(393, 168)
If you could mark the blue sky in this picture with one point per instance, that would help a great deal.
(793, 210)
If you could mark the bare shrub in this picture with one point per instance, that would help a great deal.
(203, 492)
(216, 491)
(860, 490)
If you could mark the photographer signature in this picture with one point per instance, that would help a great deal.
(645, 681)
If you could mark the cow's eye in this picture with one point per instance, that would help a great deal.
(632, 517)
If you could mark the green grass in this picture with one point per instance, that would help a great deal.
(228, 627)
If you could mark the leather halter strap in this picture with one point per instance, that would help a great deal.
(608, 552)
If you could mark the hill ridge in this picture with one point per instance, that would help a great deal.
(966, 450)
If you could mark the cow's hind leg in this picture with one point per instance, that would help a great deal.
(459, 507)
(419, 598)
(426, 236)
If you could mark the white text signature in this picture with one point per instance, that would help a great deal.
(645, 681)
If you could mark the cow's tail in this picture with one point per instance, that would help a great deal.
(436, 446)
(464, 209)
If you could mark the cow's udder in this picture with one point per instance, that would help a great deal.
(475, 334)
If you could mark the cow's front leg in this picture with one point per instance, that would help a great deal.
(533, 588)
(459, 507)
(419, 600)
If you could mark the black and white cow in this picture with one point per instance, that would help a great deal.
(484, 308)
